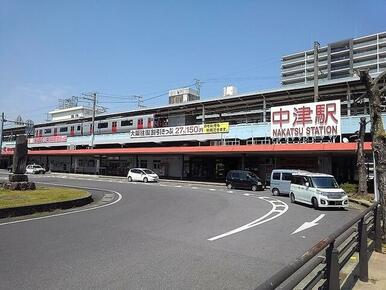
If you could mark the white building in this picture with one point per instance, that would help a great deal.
(336, 60)
(71, 113)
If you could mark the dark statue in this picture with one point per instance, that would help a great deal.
(18, 180)
(20, 155)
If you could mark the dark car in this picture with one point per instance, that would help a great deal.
(244, 180)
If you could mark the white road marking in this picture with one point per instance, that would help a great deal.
(272, 214)
(230, 191)
(308, 225)
(212, 189)
(178, 186)
(247, 194)
(70, 212)
(193, 187)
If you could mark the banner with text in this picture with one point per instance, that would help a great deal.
(50, 139)
(181, 130)
(306, 120)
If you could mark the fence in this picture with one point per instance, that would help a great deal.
(320, 265)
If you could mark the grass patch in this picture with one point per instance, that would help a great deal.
(42, 195)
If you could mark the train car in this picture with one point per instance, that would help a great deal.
(107, 126)
(74, 129)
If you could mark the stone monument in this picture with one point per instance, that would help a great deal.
(19, 160)
(18, 180)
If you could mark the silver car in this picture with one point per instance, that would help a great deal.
(34, 169)
(142, 174)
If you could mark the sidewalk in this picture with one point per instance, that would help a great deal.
(377, 273)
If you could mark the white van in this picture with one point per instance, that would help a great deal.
(281, 180)
(318, 190)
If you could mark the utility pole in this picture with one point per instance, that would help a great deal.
(139, 102)
(93, 99)
(93, 118)
(1, 132)
(316, 70)
(198, 86)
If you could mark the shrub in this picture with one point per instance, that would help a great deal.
(349, 187)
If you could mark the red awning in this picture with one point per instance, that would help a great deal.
(264, 148)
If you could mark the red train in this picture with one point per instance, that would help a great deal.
(107, 126)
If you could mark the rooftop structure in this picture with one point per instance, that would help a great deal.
(183, 95)
(77, 112)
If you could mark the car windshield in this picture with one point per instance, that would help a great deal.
(252, 175)
(148, 171)
(324, 182)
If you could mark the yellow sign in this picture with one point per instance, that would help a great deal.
(216, 128)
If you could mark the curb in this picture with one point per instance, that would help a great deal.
(360, 202)
(31, 209)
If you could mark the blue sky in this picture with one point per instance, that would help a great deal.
(57, 49)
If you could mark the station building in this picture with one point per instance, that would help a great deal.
(197, 139)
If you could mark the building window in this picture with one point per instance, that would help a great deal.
(47, 131)
(143, 163)
(156, 164)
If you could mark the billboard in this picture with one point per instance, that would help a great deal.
(50, 139)
(212, 128)
(317, 119)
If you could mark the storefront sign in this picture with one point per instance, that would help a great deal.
(306, 120)
(50, 139)
(181, 130)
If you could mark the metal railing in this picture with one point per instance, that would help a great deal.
(321, 264)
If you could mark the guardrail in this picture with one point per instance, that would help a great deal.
(321, 264)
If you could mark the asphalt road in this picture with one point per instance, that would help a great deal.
(156, 237)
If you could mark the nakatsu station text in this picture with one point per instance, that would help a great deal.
(306, 120)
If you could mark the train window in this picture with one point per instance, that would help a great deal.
(63, 129)
(127, 123)
(47, 131)
(78, 128)
(103, 125)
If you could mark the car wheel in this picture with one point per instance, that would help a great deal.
(130, 179)
(292, 196)
(275, 192)
(254, 188)
(229, 186)
(145, 179)
(315, 203)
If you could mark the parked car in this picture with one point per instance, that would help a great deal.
(243, 179)
(281, 180)
(318, 190)
(34, 169)
(142, 174)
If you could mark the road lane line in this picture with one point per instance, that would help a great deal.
(308, 225)
(272, 214)
(71, 212)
